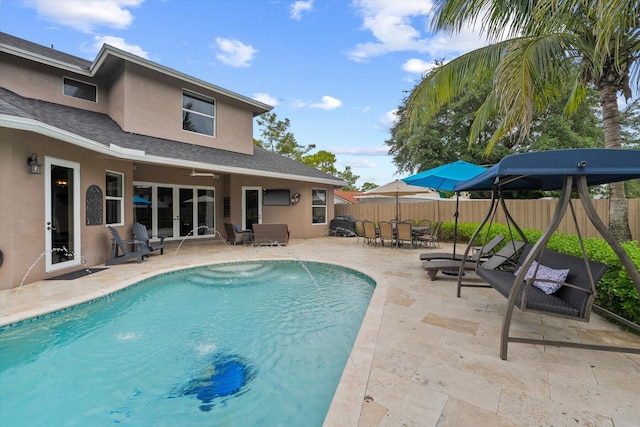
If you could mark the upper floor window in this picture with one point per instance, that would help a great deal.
(198, 114)
(80, 90)
(319, 206)
(114, 197)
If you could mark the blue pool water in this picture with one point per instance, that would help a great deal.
(247, 344)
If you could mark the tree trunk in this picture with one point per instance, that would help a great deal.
(618, 205)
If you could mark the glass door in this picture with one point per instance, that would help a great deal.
(205, 211)
(192, 215)
(62, 213)
(251, 206)
(185, 215)
(163, 206)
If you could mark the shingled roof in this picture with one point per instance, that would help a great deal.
(99, 132)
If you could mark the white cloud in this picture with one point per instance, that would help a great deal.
(361, 151)
(297, 103)
(389, 119)
(360, 163)
(86, 15)
(265, 98)
(234, 53)
(118, 42)
(404, 26)
(300, 6)
(418, 66)
(328, 103)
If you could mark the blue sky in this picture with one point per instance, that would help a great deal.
(337, 69)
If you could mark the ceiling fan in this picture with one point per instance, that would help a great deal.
(211, 174)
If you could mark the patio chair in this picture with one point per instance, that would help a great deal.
(386, 232)
(235, 235)
(404, 234)
(370, 233)
(140, 233)
(503, 256)
(359, 230)
(432, 238)
(480, 252)
(120, 246)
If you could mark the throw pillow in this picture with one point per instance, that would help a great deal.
(545, 273)
(235, 227)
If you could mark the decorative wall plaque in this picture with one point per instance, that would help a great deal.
(94, 205)
(226, 202)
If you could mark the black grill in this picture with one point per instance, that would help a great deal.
(344, 226)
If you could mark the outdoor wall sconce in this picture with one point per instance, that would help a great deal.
(35, 168)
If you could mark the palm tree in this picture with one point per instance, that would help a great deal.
(540, 46)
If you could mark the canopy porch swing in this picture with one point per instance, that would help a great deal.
(565, 170)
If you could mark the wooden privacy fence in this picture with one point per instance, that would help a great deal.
(535, 214)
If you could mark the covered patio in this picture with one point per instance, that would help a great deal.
(423, 356)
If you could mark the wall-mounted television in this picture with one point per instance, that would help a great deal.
(280, 197)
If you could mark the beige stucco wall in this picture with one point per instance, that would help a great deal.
(22, 211)
(153, 106)
(298, 216)
(37, 81)
(138, 99)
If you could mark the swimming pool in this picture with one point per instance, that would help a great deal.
(257, 343)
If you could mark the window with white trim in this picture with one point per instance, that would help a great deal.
(198, 113)
(319, 206)
(114, 198)
(78, 89)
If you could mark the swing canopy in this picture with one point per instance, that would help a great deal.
(546, 170)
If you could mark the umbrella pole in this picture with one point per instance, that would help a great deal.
(455, 239)
(397, 217)
(455, 226)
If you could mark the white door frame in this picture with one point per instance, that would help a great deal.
(77, 253)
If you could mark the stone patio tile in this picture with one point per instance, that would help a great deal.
(421, 405)
(525, 409)
(470, 387)
(458, 413)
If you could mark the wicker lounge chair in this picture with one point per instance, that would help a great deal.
(235, 235)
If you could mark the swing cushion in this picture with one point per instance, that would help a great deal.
(546, 277)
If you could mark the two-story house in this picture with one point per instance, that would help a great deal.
(84, 145)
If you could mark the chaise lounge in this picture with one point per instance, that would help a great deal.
(495, 261)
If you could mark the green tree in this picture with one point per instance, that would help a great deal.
(444, 136)
(368, 186)
(630, 122)
(582, 43)
(277, 138)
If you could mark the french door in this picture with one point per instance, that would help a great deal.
(175, 211)
(62, 214)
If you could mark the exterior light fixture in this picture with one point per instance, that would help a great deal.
(35, 168)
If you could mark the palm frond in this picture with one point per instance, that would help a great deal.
(448, 81)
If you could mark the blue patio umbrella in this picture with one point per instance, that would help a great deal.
(140, 201)
(445, 177)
